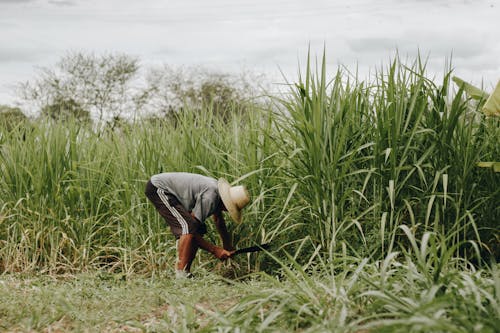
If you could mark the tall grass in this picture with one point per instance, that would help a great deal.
(337, 161)
(368, 191)
(74, 199)
(422, 290)
(369, 158)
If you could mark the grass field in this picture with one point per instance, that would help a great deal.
(381, 297)
(370, 193)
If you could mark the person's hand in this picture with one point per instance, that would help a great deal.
(222, 254)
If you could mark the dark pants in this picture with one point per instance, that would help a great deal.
(181, 222)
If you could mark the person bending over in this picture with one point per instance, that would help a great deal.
(185, 201)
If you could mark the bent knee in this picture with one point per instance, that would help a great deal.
(187, 236)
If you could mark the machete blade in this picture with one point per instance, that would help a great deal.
(254, 248)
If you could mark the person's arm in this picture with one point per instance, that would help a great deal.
(218, 252)
(220, 225)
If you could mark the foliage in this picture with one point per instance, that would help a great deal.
(64, 110)
(370, 194)
(339, 162)
(490, 103)
(371, 157)
(423, 290)
(78, 200)
(343, 294)
(81, 83)
(11, 117)
(171, 89)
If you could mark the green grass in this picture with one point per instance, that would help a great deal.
(370, 193)
(350, 295)
(104, 302)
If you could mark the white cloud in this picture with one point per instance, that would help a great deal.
(62, 2)
(260, 34)
(15, 2)
(19, 55)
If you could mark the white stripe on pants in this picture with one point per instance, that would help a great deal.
(173, 211)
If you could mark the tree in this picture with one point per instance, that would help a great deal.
(10, 117)
(63, 110)
(102, 85)
(170, 89)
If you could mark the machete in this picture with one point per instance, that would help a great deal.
(254, 248)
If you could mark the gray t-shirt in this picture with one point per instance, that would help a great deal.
(196, 193)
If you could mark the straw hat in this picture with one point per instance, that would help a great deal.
(235, 198)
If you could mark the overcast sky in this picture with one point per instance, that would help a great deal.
(263, 36)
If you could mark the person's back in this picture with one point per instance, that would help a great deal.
(197, 193)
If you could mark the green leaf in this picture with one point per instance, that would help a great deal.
(492, 105)
(493, 165)
(471, 90)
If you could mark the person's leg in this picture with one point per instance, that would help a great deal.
(184, 226)
(181, 222)
(189, 244)
(160, 200)
(186, 251)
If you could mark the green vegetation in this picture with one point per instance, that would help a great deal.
(11, 117)
(370, 193)
(350, 295)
